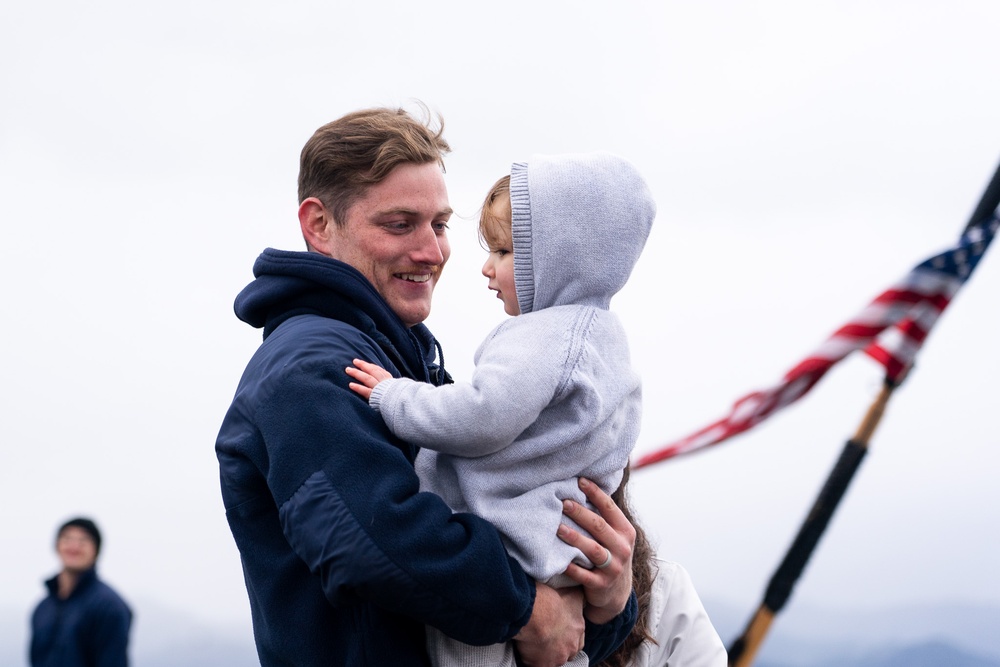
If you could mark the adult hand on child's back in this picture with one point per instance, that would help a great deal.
(608, 586)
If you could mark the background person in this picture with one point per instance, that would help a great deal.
(82, 622)
(673, 628)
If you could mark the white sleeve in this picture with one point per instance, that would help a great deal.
(684, 634)
(512, 383)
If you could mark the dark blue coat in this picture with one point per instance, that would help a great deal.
(87, 629)
(344, 559)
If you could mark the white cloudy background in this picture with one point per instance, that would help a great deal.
(803, 156)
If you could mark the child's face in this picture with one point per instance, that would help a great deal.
(499, 267)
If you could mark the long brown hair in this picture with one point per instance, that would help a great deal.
(642, 583)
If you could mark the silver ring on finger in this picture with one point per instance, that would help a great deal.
(607, 561)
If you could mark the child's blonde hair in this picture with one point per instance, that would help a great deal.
(495, 216)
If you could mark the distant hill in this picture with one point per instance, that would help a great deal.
(805, 636)
(161, 637)
(954, 635)
(801, 634)
(929, 654)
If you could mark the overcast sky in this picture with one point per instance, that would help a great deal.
(803, 157)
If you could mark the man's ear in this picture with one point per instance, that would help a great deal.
(316, 224)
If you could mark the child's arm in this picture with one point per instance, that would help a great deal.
(511, 384)
(520, 368)
(450, 422)
(368, 375)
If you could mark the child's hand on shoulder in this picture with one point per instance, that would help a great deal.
(367, 376)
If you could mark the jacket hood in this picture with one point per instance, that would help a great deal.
(289, 283)
(579, 223)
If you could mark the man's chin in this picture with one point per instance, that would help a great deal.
(412, 308)
(77, 567)
(412, 315)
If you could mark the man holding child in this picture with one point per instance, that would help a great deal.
(345, 560)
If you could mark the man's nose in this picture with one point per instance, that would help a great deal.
(427, 249)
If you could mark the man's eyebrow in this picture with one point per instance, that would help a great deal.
(402, 210)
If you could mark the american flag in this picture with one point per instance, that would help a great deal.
(890, 330)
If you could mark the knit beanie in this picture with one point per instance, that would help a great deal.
(84, 524)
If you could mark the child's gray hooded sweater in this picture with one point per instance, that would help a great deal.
(553, 396)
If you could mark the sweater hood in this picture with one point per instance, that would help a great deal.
(290, 283)
(579, 223)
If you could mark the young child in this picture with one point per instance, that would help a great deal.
(553, 396)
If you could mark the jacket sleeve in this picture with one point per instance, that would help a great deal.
(350, 507)
(603, 640)
(519, 370)
(109, 635)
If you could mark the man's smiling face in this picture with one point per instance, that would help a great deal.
(77, 549)
(396, 236)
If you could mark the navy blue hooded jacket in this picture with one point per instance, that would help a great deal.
(87, 629)
(344, 559)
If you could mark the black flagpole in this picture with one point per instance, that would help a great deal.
(988, 203)
(744, 649)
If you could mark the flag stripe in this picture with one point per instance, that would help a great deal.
(890, 330)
